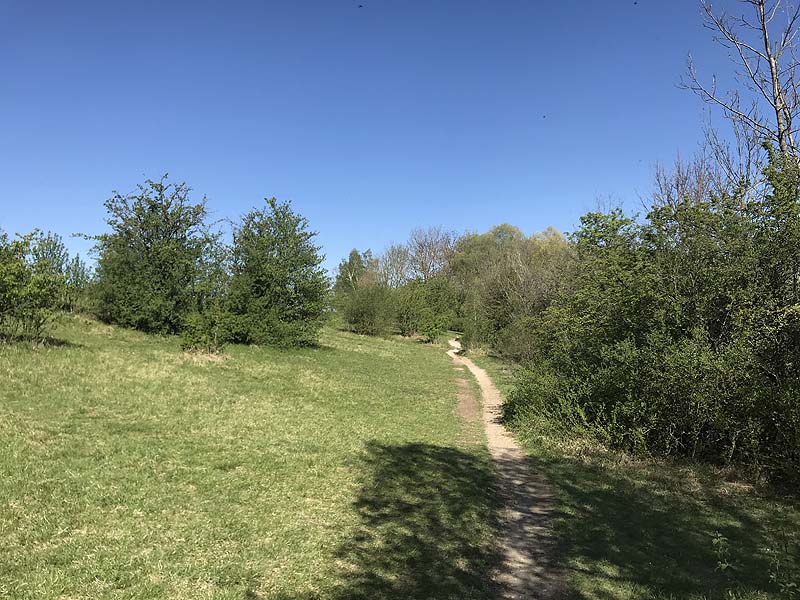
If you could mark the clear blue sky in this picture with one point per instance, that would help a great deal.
(372, 120)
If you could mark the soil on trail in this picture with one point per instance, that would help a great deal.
(525, 540)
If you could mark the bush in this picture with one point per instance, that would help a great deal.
(543, 397)
(278, 289)
(368, 309)
(29, 290)
(204, 332)
(425, 307)
(517, 341)
(679, 335)
(149, 264)
(410, 307)
(433, 325)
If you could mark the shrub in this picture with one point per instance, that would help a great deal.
(150, 262)
(433, 325)
(29, 290)
(517, 341)
(410, 307)
(278, 289)
(368, 309)
(542, 396)
(204, 332)
(679, 334)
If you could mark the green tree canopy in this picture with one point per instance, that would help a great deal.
(148, 265)
(278, 288)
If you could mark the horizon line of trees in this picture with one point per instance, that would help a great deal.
(676, 333)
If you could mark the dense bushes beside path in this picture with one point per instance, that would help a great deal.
(680, 334)
(676, 334)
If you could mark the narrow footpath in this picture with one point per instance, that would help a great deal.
(528, 570)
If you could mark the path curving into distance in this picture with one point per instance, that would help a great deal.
(528, 503)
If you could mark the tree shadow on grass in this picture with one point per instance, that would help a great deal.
(427, 514)
(647, 532)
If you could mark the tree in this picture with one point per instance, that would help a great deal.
(360, 295)
(395, 266)
(764, 48)
(29, 289)
(277, 288)
(205, 329)
(48, 251)
(503, 279)
(148, 265)
(358, 268)
(429, 251)
(411, 308)
(77, 279)
(368, 309)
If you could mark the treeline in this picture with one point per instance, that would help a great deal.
(484, 285)
(164, 268)
(674, 334)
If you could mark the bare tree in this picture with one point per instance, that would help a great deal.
(763, 46)
(737, 163)
(395, 266)
(687, 181)
(429, 251)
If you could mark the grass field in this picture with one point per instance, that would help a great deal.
(129, 469)
(644, 529)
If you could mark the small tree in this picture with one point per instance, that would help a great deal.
(411, 308)
(425, 307)
(205, 329)
(278, 287)
(77, 276)
(149, 264)
(50, 254)
(429, 251)
(360, 267)
(29, 290)
(394, 266)
(368, 309)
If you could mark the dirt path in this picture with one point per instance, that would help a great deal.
(528, 503)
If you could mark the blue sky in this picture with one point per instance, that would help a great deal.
(372, 120)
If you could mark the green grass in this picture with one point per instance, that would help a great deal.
(131, 470)
(633, 528)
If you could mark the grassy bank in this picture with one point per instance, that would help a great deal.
(129, 469)
(637, 528)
